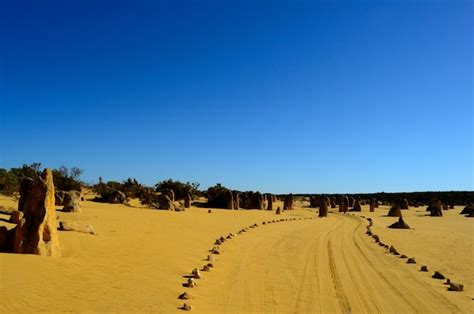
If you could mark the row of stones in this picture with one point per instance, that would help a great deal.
(216, 250)
(436, 275)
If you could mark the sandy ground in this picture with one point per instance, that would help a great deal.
(139, 259)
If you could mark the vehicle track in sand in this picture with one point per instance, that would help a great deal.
(314, 266)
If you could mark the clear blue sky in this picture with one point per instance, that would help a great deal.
(294, 96)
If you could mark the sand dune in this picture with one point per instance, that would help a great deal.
(140, 257)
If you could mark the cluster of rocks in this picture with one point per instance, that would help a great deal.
(435, 208)
(69, 199)
(35, 231)
(288, 202)
(112, 197)
(373, 204)
(220, 197)
(356, 207)
(251, 200)
(344, 204)
(36, 223)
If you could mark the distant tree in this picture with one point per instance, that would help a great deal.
(66, 179)
(8, 182)
(132, 188)
(179, 188)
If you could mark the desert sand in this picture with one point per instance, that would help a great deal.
(140, 258)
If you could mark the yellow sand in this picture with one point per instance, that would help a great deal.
(137, 261)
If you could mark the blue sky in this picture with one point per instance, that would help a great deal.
(293, 96)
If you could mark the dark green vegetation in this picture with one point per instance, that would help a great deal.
(65, 179)
(180, 189)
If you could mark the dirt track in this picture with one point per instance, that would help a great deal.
(260, 271)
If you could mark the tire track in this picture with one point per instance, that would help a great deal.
(436, 295)
(341, 295)
(359, 283)
(380, 274)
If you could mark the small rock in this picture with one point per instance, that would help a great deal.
(206, 268)
(393, 250)
(448, 281)
(210, 265)
(187, 307)
(196, 273)
(211, 258)
(222, 239)
(209, 211)
(218, 242)
(184, 296)
(191, 283)
(411, 261)
(376, 238)
(403, 256)
(216, 250)
(456, 287)
(438, 275)
(424, 268)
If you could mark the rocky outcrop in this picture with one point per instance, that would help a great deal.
(351, 201)
(344, 204)
(332, 202)
(323, 206)
(356, 207)
(468, 210)
(221, 197)
(288, 202)
(71, 201)
(236, 198)
(435, 208)
(313, 201)
(36, 233)
(373, 204)
(230, 200)
(114, 197)
(270, 202)
(251, 200)
(395, 211)
(404, 203)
